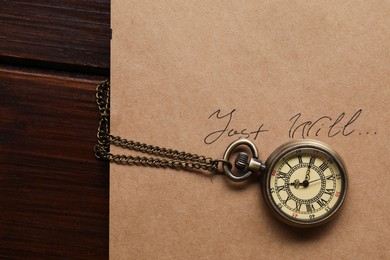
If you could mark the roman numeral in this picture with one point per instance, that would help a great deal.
(329, 192)
(279, 188)
(321, 202)
(300, 158)
(288, 198)
(287, 163)
(323, 166)
(312, 160)
(281, 175)
(309, 207)
(298, 206)
(330, 177)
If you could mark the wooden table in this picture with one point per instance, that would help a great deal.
(53, 192)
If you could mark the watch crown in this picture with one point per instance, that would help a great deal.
(241, 161)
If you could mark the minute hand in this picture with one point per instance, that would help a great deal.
(314, 180)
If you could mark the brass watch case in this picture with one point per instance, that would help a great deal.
(277, 155)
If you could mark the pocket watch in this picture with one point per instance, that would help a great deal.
(304, 182)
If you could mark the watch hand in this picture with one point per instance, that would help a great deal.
(297, 183)
(305, 183)
(314, 180)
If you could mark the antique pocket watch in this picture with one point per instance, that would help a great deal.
(303, 182)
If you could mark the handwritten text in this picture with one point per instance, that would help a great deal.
(297, 126)
(227, 130)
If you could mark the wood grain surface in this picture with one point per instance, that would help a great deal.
(53, 192)
(69, 33)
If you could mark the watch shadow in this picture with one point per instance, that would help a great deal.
(286, 232)
(300, 235)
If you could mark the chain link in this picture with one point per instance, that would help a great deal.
(170, 158)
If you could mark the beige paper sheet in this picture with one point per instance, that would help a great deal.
(282, 69)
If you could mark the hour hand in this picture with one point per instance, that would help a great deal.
(297, 183)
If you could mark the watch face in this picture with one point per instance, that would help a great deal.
(305, 183)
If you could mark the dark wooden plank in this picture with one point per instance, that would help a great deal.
(75, 33)
(53, 192)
